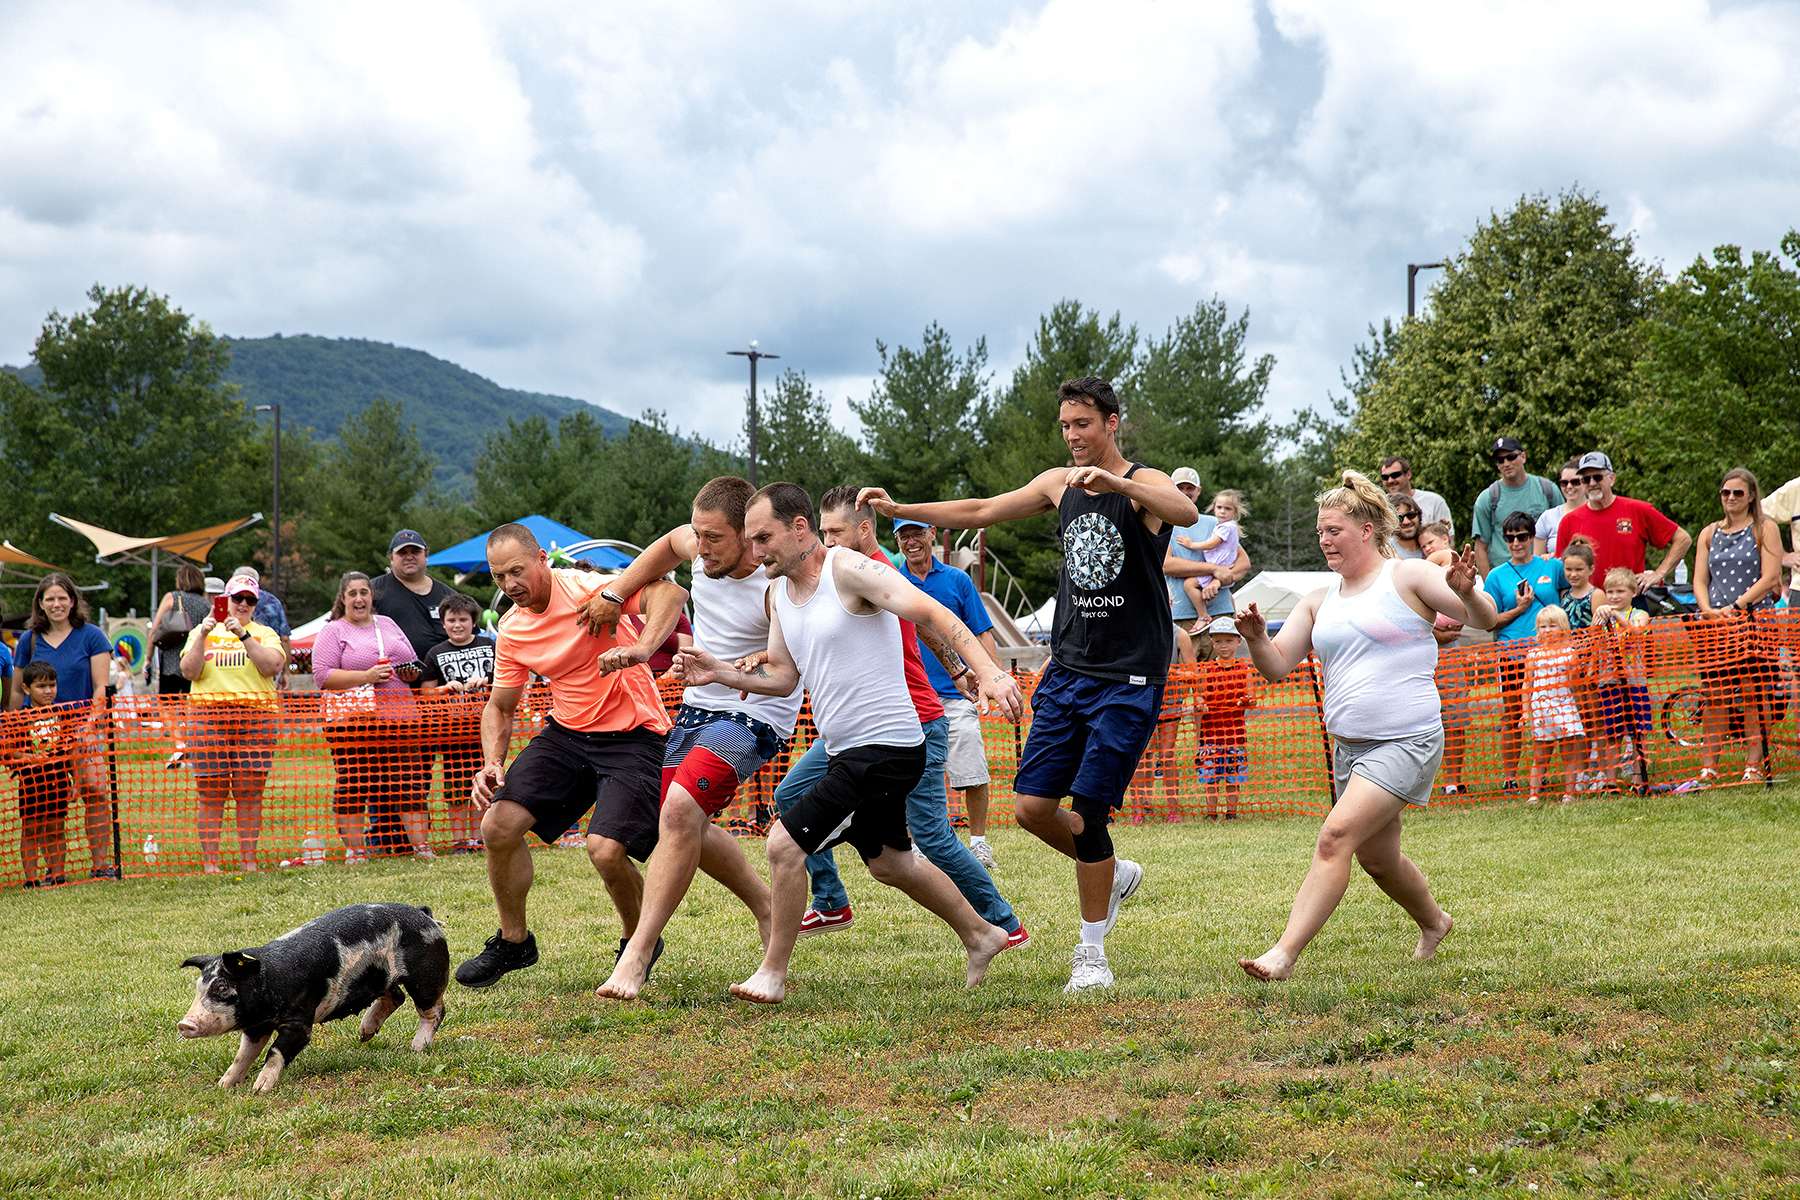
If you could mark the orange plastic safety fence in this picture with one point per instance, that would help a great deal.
(168, 786)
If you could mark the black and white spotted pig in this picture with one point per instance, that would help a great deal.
(366, 956)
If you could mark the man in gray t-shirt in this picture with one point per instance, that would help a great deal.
(1397, 478)
(1515, 491)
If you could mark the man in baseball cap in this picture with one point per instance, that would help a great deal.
(1516, 490)
(1620, 528)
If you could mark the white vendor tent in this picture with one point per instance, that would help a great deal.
(1276, 592)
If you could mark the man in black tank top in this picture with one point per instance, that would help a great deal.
(1097, 703)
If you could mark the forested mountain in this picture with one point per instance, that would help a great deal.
(320, 381)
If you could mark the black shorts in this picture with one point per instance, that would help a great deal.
(861, 799)
(561, 774)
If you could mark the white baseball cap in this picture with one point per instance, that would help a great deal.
(1185, 475)
(1222, 625)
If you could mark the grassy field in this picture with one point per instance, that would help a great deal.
(1618, 1013)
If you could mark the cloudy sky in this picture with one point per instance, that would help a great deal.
(599, 200)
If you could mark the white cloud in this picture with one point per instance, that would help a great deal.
(601, 201)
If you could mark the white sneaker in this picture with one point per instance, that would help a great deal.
(1126, 877)
(1088, 970)
(984, 854)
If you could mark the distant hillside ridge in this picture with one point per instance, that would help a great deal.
(319, 381)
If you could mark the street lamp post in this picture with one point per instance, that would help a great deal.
(1412, 274)
(275, 566)
(755, 356)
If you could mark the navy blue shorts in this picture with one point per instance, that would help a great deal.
(1087, 736)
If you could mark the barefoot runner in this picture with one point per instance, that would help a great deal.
(836, 627)
(928, 805)
(1372, 631)
(720, 740)
(601, 747)
(1098, 701)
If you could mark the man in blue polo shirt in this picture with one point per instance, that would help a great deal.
(967, 765)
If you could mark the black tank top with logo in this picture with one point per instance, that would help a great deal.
(1112, 607)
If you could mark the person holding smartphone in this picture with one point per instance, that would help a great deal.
(1519, 587)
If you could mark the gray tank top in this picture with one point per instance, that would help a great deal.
(1733, 565)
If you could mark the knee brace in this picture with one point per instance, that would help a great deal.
(1093, 844)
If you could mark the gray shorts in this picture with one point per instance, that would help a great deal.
(1406, 768)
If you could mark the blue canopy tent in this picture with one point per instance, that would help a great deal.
(471, 554)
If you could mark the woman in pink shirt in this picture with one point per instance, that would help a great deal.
(359, 662)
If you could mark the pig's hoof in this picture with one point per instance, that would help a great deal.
(262, 1086)
(230, 1080)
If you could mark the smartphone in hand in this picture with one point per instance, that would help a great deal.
(221, 607)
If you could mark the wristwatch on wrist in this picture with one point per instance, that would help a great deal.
(609, 594)
(961, 673)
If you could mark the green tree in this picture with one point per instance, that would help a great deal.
(643, 484)
(1286, 521)
(369, 484)
(127, 431)
(919, 419)
(526, 468)
(1195, 400)
(1531, 333)
(1020, 436)
(1718, 383)
(799, 441)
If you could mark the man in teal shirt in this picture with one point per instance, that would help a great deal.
(1515, 491)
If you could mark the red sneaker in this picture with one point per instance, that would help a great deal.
(1018, 937)
(825, 921)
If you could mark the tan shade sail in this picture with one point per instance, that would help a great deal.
(196, 545)
(12, 556)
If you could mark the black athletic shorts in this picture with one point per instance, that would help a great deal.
(561, 774)
(861, 799)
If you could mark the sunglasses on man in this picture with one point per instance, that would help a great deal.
(1390, 476)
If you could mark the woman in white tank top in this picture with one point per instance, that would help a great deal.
(1371, 630)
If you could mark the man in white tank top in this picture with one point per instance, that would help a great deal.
(835, 627)
(720, 739)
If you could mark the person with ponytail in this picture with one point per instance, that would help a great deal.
(1372, 631)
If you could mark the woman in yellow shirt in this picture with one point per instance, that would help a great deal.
(231, 665)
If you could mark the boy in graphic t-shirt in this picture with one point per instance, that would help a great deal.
(458, 671)
(36, 743)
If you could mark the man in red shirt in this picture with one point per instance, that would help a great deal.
(1620, 528)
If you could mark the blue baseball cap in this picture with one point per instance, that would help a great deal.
(909, 523)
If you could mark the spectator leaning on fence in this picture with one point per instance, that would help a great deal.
(37, 744)
(1397, 478)
(458, 672)
(1737, 572)
(1781, 506)
(368, 714)
(231, 665)
(1620, 528)
(967, 765)
(62, 635)
(1574, 495)
(178, 615)
(1520, 588)
(1516, 491)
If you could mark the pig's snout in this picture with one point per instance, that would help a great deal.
(188, 1027)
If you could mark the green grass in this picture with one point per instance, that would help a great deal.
(1616, 1014)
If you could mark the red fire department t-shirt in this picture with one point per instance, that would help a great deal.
(1619, 533)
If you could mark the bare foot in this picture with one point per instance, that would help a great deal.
(765, 987)
(1429, 938)
(1274, 965)
(982, 954)
(622, 984)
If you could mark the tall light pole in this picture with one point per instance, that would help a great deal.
(755, 356)
(1412, 274)
(275, 566)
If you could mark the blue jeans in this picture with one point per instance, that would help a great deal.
(927, 817)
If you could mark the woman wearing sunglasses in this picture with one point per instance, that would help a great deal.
(1574, 494)
(1519, 587)
(1737, 571)
(231, 666)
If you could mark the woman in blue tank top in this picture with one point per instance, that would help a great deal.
(1372, 631)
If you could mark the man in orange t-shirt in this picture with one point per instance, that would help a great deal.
(602, 746)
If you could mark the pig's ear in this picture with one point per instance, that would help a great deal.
(239, 965)
(202, 961)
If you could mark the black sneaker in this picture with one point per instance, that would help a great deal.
(497, 957)
(104, 873)
(654, 955)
